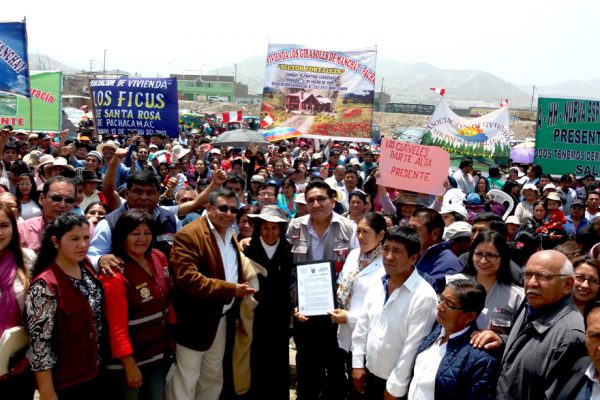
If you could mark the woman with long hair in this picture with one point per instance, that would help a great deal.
(65, 314)
(28, 195)
(15, 278)
(137, 310)
(269, 357)
(587, 281)
(363, 268)
(482, 186)
(489, 265)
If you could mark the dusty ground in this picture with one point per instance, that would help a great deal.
(386, 121)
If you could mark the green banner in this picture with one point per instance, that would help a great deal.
(46, 98)
(567, 138)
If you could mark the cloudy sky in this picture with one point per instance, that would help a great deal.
(523, 42)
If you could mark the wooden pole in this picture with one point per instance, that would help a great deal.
(28, 78)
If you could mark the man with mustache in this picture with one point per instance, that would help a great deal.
(548, 334)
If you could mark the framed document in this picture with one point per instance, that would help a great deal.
(315, 287)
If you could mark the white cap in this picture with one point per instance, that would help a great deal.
(457, 230)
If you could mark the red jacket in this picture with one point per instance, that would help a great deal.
(136, 310)
(75, 340)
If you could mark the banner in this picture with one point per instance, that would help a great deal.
(567, 138)
(486, 139)
(147, 105)
(413, 167)
(14, 64)
(321, 94)
(46, 98)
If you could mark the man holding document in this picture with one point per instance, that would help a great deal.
(319, 240)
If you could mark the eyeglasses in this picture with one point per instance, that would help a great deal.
(266, 194)
(320, 200)
(593, 282)
(444, 301)
(223, 208)
(59, 199)
(488, 256)
(23, 184)
(540, 276)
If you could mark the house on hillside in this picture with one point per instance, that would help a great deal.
(301, 101)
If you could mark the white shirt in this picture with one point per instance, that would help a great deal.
(422, 385)
(228, 255)
(369, 276)
(388, 334)
(592, 376)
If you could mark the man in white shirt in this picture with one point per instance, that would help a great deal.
(463, 176)
(398, 313)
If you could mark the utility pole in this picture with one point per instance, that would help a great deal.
(91, 66)
(104, 64)
(532, 96)
(234, 73)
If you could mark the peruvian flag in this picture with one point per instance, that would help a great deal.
(504, 103)
(232, 116)
(266, 121)
(440, 91)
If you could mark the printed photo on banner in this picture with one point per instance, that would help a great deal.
(14, 67)
(147, 105)
(413, 167)
(319, 93)
(567, 136)
(485, 139)
(46, 99)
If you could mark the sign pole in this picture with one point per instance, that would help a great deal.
(29, 78)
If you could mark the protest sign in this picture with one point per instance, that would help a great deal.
(319, 93)
(567, 138)
(414, 167)
(14, 64)
(46, 101)
(486, 139)
(147, 105)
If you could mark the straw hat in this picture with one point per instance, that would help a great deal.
(59, 162)
(110, 143)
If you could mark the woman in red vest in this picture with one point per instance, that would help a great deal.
(136, 310)
(64, 309)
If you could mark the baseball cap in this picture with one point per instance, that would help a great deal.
(257, 178)
(457, 230)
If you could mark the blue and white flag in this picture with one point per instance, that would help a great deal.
(14, 64)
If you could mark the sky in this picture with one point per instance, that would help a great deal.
(524, 42)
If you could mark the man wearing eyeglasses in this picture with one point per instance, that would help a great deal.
(320, 235)
(548, 334)
(208, 277)
(57, 197)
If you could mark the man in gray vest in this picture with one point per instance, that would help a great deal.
(322, 235)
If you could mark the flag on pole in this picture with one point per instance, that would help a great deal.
(440, 91)
(504, 103)
(232, 116)
(14, 63)
(266, 121)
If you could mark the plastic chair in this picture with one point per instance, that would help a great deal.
(502, 198)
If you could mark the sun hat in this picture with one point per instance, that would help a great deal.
(59, 162)
(257, 178)
(457, 208)
(513, 220)
(110, 143)
(300, 199)
(554, 197)
(271, 213)
(179, 151)
(45, 160)
(90, 176)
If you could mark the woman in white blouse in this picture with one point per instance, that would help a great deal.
(363, 268)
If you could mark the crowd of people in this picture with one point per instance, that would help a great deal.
(166, 268)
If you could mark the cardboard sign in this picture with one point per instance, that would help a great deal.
(408, 166)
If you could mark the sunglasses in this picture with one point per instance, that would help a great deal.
(224, 209)
(59, 199)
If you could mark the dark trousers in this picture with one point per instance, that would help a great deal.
(94, 389)
(319, 363)
(374, 387)
(18, 387)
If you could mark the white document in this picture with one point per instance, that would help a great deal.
(315, 288)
